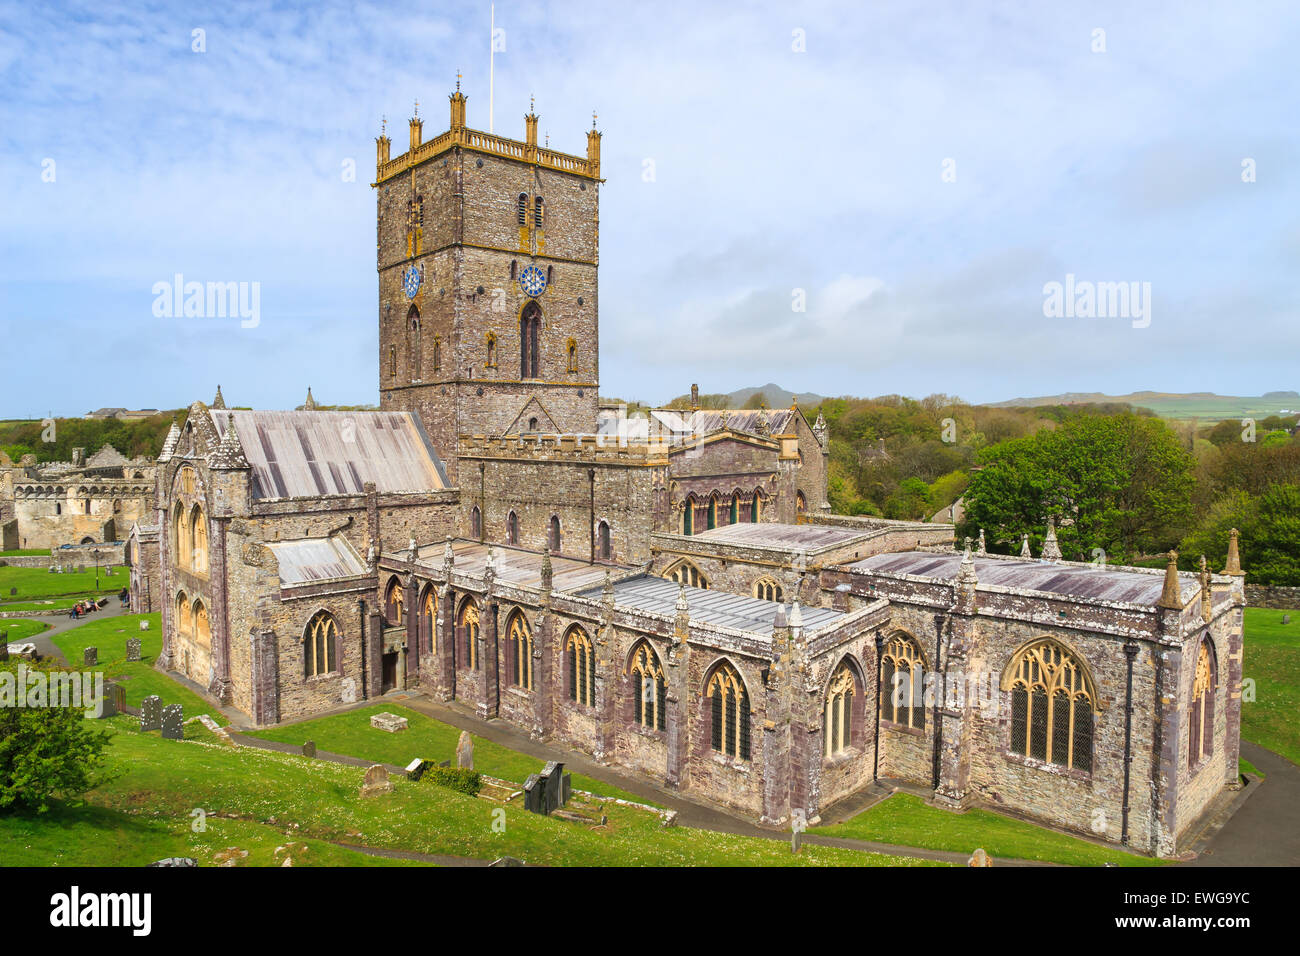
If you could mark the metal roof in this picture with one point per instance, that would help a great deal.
(315, 559)
(803, 537)
(1127, 585)
(517, 566)
(736, 611)
(305, 454)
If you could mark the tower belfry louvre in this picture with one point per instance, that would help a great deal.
(487, 251)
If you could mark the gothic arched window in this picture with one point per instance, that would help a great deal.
(395, 603)
(902, 683)
(520, 641)
(839, 710)
(649, 688)
(686, 573)
(320, 645)
(582, 667)
(1201, 719)
(1052, 704)
(530, 325)
(604, 542)
(553, 534)
(467, 635)
(476, 523)
(512, 528)
(523, 209)
(729, 707)
(766, 589)
(427, 622)
(537, 212)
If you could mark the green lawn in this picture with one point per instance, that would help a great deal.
(139, 679)
(33, 583)
(25, 553)
(1245, 766)
(352, 735)
(20, 629)
(906, 820)
(256, 800)
(1272, 660)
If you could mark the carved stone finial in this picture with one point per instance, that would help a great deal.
(1233, 565)
(1024, 546)
(1051, 550)
(983, 549)
(1171, 596)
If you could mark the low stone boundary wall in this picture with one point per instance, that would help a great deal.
(26, 561)
(1272, 596)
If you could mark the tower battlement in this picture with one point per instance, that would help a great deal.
(460, 135)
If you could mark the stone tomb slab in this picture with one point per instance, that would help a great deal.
(389, 722)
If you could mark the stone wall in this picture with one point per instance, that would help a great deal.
(1273, 596)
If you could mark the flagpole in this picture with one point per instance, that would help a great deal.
(492, 61)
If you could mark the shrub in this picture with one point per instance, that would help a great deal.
(45, 752)
(461, 779)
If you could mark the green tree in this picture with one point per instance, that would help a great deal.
(45, 752)
(1271, 542)
(1121, 483)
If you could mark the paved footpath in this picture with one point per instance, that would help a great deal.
(61, 622)
(1265, 830)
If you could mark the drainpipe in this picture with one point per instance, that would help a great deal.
(941, 681)
(591, 511)
(482, 502)
(1130, 651)
(361, 615)
(875, 767)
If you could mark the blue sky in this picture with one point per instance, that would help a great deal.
(775, 169)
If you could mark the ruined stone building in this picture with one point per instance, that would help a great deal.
(669, 593)
(89, 500)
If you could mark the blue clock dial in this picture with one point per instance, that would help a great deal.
(411, 282)
(533, 281)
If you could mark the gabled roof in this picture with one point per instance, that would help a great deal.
(719, 608)
(304, 454)
(1086, 581)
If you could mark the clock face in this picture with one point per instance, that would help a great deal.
(532, 280)
(411, 282)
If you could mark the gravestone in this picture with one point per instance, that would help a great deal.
(507, 861)
(445, 763)
(151, 713)
(114, 700)
(348, 691)
(309, 749)
(376, 781)
(533, 790)
(389, 722)
(91, 656)
(979, 858)
(551, 778)
(1286, 618)
(144, 625)
(133, 648)
(173, 720)
(416, 768)
(465, 751)
(176, 861)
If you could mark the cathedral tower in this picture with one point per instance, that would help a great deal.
(487, 254)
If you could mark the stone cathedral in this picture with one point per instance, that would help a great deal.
(668, 593)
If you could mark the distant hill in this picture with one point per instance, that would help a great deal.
(1202, 406)
(777, 397)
